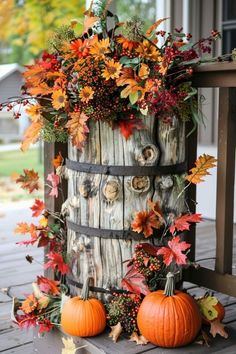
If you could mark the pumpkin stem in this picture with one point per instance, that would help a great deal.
(170, 285)
(85, 290)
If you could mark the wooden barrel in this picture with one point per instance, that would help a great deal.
(108, 182)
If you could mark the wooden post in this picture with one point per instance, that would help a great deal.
(225, 180)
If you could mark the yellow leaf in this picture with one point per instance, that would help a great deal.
(203, 163)
(206, 306)
(43, 222)
(138, 339)
(143, 71)
(69, 346)
(31, 135)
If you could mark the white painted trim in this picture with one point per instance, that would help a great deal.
(186, 16)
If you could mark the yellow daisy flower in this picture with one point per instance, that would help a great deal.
(100, 48)
(86, 94)
(59, 99)
(148, 51)
(112, 70)
(34, 112)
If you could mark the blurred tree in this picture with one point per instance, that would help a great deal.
(25, 25)
(145, 9)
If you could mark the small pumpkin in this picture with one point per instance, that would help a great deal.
(169, 318)
(83, 316)
(211, 308)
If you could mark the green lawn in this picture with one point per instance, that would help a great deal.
(16, 161)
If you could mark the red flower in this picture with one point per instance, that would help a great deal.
(80, 48)
(26, 321)
(45, 326)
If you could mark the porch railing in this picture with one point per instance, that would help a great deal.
(223, 76)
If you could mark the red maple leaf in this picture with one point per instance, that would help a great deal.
(150, 249)
(183, 222)
(144, 222)
(55, 180)
(48, 286)
(38, 207)
(27, 242)
(29, 180)
(135, 282)
(174, 251)
(56, 262)
(127, 126)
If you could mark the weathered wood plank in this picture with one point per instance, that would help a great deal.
(12, 338)
(23, 349)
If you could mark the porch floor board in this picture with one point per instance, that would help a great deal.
(13, 340)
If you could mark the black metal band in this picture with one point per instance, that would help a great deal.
(105, 233)
(95, 289)
(127, 170)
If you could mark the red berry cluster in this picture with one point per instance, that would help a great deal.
(124, 308)
(145, 263)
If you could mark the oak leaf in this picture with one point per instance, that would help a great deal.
(145, 221)
(29, 180)
(31, 135)
(138, 339)
(56, 262)
(206, 306)
(174, 251)
(38, 207)
(127, 126)
(115, 332)
(218, 328)
(42, 89)
(78, 129)
(203, 163)
(69, 346)
(182, 223)
(134, 281)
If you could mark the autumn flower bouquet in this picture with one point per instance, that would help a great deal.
(118, 74)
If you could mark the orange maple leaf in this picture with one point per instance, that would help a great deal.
(31, 135)
(41, 89)
(183, 222)
(22, 228)
(58, 160)
(29, 180)
(38, 207)
(78, 128)
(203, 163)
(48, 286)
(34, 75)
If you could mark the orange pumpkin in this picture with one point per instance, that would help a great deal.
(83, 316)
(169, 318)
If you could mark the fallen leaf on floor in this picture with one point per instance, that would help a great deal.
(115, 332)
(69, 346)
(138, 339)
(218, 328)
(203, 339)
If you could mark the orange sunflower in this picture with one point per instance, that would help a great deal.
(126, 43)
(100, 48)
(80, 48)
(86, 94)
(34, 112)
(148, 50)
(112, 70)
(30, 304)
(59, 99)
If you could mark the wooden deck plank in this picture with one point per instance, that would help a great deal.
(23, 349)
(12, 338)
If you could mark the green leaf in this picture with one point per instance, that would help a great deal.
(185, 47)
(133, 97)
(206, 306)
(180, 35)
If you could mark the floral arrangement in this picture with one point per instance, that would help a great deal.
(117, 75)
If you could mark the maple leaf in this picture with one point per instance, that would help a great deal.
(31, 135)
(134, 281)
(218, 328)
(56, 262)
(174, 251)
(183, 222)
(145, 221)
(41, 89)
(48, 286)
(29, 180)
(78, 128)
(150, 249)
(38, 207)
(203, 163)
(45, 326)
(115, 332)
(58, 160)
(69, 346)
(154, 26)
(34, 75)
(22, 228)
(138, 339)
(127, 126)
(55, 180)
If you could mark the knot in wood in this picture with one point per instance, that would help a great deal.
(148, 155)
(85, 188)
(165, 182)
(140, 184)
(111, 190)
